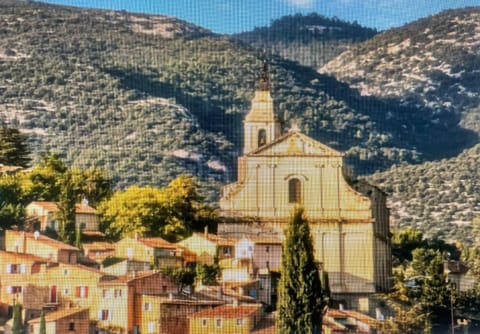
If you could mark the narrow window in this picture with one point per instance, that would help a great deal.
(294, 191)
(71, 326)
(262, 137)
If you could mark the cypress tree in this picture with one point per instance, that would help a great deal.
(300, 299)
(13, 147)
(43, 325)
(17, 327)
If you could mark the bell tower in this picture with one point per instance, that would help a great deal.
(260, 126)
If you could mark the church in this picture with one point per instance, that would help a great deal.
(349, 220)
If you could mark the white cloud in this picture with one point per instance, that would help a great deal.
(301, 3)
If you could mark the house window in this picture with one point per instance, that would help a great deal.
(16, 268)
(218, 322)
(164, 289)
(226, 251)
(66, 291)
(147, 307)
(239, 322)
(117, 293)
(105, 315)
(65, 272)
(14, 289)
(204, 322)
(262, 137)
(151, 327)
(71, 326)
(106, 293)
(294, 191)
(267, 249)
(267, 264)
(81, 291)
(83, 225)
(130, 253)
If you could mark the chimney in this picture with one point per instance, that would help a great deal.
(235, 302)
(205, 229)
(170, 296)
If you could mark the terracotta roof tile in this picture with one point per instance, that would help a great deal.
(45, 240)
(24, 256)
(157, 243)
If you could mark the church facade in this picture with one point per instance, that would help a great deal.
(280, 171)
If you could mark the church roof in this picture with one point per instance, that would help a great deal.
(295, 143)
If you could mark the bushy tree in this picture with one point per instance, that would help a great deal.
(300, 298)
(170, 212)
(13, 147)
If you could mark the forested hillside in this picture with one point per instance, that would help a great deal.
(441, 198)
(431, 65)
(311, 39)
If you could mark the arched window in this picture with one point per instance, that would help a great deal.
(294, 191)
(262, 137)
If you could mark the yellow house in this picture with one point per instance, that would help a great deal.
(153, 250)
(226, 319)
(86, 217)
(72, 320)
(117, 309)
(40, 245)
(207, 246)
(71, 284)
(169, 315)
(279, 172)
(16, 270)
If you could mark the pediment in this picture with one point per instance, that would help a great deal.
(295, 144)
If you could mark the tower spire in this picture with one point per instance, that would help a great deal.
(264, 80)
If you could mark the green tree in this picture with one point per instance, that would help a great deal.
(207, 274)
(13, 147)
(12, 210)
(43, 183)
(66, 208)
(300, 298)
(183, 276)
(43, 325)
(17, 326)
(92, 184)
(169, 212)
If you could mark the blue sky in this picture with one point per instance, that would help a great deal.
(230, 16)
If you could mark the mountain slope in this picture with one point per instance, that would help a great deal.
(432, 63)
(311, 39)
(440, 198)
(151, 97)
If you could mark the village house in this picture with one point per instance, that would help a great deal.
(86, 217)
(155, 251)
(40, 245)
(226, 319)
(209, 247)
(117, 310)
(71, 285)
(98, 250)
(169, 315)
(125, 267)
(16, 270)
(63, 321)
